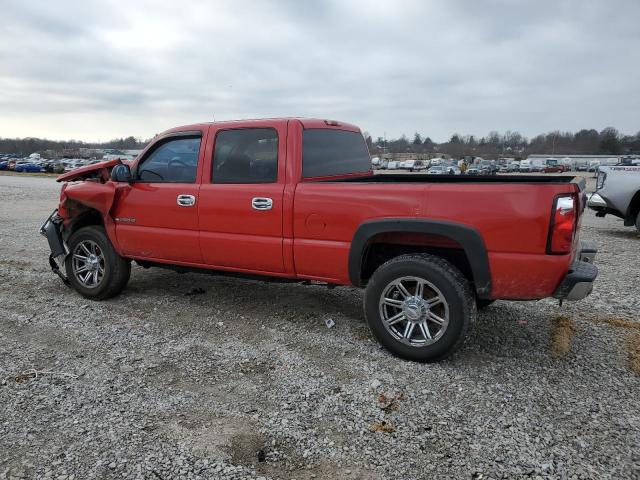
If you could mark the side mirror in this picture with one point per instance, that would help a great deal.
(121, 173)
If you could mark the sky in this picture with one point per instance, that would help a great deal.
(96, 70)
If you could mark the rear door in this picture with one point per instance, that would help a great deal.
(241, 197)
(156, 216)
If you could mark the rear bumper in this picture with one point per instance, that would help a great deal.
(579, 281)
(596, 202)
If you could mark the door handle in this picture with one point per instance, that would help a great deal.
(261, 203)
(186, 200)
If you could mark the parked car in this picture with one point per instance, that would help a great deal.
(436, 170)
(618, 193)
(473, 171)
(487, 167)
(552, 165)
(435, 161)
(4, 165)
(28, 167)
(393, 165)
(503, 169)
(525, 166)
(232, 197)
(593, 166)
(414, 165)
(54, 166)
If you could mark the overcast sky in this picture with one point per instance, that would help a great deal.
(94, 70)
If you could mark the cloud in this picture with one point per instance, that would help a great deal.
(95, 70)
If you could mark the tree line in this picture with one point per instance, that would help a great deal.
(509, 144)
(27, 146)
(512, 144)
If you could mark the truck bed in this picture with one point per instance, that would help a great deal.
(425, 178)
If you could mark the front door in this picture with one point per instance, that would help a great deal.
(241, 196)
(156, 217)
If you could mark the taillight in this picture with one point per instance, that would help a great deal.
(600, 181)
(563, 225)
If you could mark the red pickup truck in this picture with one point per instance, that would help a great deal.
(296, 200)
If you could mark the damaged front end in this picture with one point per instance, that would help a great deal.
(52, 230)
(88, 191)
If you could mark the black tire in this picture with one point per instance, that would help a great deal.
(638, 222)
(482, 303)
(116, 269)
(453, 286)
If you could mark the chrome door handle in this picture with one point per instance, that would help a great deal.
(186, 200)
(260, 203)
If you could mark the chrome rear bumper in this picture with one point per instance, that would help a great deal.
(579, 281)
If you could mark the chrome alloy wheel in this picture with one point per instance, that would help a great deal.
(414, 311)
(88, 263)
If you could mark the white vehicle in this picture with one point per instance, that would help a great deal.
(393, 165)
(525, 166)
(618, 193)
(436, 170)
(414, 165)
(435, 161)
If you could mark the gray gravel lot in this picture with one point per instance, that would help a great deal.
(246, 380)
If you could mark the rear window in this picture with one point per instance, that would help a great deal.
(328, 152)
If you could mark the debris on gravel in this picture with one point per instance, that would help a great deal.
(244, 380)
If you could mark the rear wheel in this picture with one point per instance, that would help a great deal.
(93, 267)
(638, 222)
(419, 307)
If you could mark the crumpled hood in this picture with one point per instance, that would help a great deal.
(80, 173)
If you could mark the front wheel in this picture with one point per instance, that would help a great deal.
(638, 222)
(419, 307)
(94, 268)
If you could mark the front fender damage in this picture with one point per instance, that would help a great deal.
(87, 191)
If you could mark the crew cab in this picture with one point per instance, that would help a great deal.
(295, 200)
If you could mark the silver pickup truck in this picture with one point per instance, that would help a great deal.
(618, 193)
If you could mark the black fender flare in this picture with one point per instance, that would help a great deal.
(468, 237)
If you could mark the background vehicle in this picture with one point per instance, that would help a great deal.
(414, 165)
(525, 166)
(435, 161)
(473, 170)
(436, 170)
(487, 167)
(618, 193)
(230, 197)
(393, 165)
(552, 165)
(28, 167)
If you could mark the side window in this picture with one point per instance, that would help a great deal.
(174, 161)
(246, 155)
(327, 152)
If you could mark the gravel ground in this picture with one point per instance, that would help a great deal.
(245, 380)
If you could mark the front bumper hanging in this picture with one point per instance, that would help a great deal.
(52, 230)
